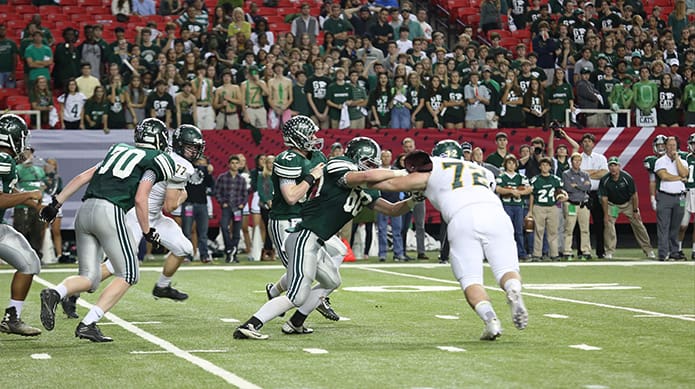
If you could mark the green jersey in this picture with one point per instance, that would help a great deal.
(544, 189)
(516, 180)
(690, 183)
(8, 56)
(338, 94)
(8, 176)
(495, 159)
(689, 97)
(29, 177)
(42, 53)
(117, 177)
(334, 203)
(562, 92)
(291, 165)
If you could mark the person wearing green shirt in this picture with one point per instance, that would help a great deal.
(26, 219)
(8, 59)
(559, 96)
(359, 99)
(618, 195)
(542, 207)
(39, 58)
(95, 112)
(300, 103)
(379, 102)
(646, 94)
(337, 26)
(497, 158)
(689, 102)
(338, 93)
(511, 187)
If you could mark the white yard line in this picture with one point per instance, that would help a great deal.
(542, 296)
(209, 367)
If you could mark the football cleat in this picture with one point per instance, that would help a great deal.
(91, 332)
(519, 312)
(325, 309)
(11, 324)
(169, 293)
(289, 329)
(248, 331)
(69, 305)
(49, 301)
(492, 331)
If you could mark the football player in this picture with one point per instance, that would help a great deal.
(14, 247)
(460, 190)
(338, 199)
(291, 171)
(187, 146)
(123, 180)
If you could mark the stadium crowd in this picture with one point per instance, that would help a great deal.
(361, 65)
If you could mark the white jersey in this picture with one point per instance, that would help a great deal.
(184, 170)
(455, 184)
(72, 106)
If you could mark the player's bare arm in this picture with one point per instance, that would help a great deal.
(295, 192)
(9, 200)
(362, 178)
(142, 203)
(75, 184)
(174, 198)
(394, 209)
(412, 182)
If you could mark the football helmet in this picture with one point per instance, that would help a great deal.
(447, 148)
(691, 143)
(659, 145)
(13, 133)
(365, 152)
(152, 133)
(188, 137)
(299, 132)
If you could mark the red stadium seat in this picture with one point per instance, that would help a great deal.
(15, 101)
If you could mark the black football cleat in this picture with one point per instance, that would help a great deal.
(169, 293)
(91, 332)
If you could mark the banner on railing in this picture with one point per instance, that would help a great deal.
(79, 150)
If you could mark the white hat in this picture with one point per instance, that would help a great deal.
(673, 61)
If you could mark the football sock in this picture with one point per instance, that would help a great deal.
(164, 281)
(109, 266)
(18, 305)
(680, 245)
(298, 319)
(274, 308)
(512, 284)
(95, 314)
(62, 290)
(485, 311)
(255, 322)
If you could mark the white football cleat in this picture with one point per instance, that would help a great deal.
(492, 331)
(519, 312)
(289, 328)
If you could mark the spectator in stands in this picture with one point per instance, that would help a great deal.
(91, 52)
(46, 33)
(357, 110)
(672, 172)
(95, 113)
(115, 94)
(136, 98)
(160, 104)
(689, 102)
(426, 27)
(143, 7)
(71, 104)
(315, 90)
(534, 105)
(227, 100)
(544, 46)
(86, 83)
(203, 91)
(668, 112)
(576, 209)
(338, 93)
(416, 98)
(381, 32)
(589, 97)
(497, 158)
(337, 26)
(280, 95)
(379, 102)
(121, 9)
(186, 107)
(477, 97)
(41, 100)
(170, 7)
(492, 109)
(678, 20)
(39, 59)
(619, 195)
(490, 16)
(252, 91)
(239, 24)
(305, 23)
(513, 98)
(67, 59)
(434, 103)
(645, 98)
(8, 59)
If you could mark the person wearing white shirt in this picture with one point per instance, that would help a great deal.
(596, 166)
(71, 105)
(670, 200)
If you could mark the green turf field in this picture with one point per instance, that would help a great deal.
(624, 324)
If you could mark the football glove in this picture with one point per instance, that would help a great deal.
(152, 236)
(418, 161)
(49, 212)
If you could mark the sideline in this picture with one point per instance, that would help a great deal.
(209, 367)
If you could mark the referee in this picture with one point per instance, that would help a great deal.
(619, 195)
(670, 199)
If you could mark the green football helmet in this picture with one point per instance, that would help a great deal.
(365, 152)
(13, 133)
(188, 142)
(299, 132)
(659, 145)
(447, 148)
(152, 133)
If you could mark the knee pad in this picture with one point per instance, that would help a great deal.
(467, 281)
(327, 275)
(95, 278)
(299, 296)
(182, 248)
